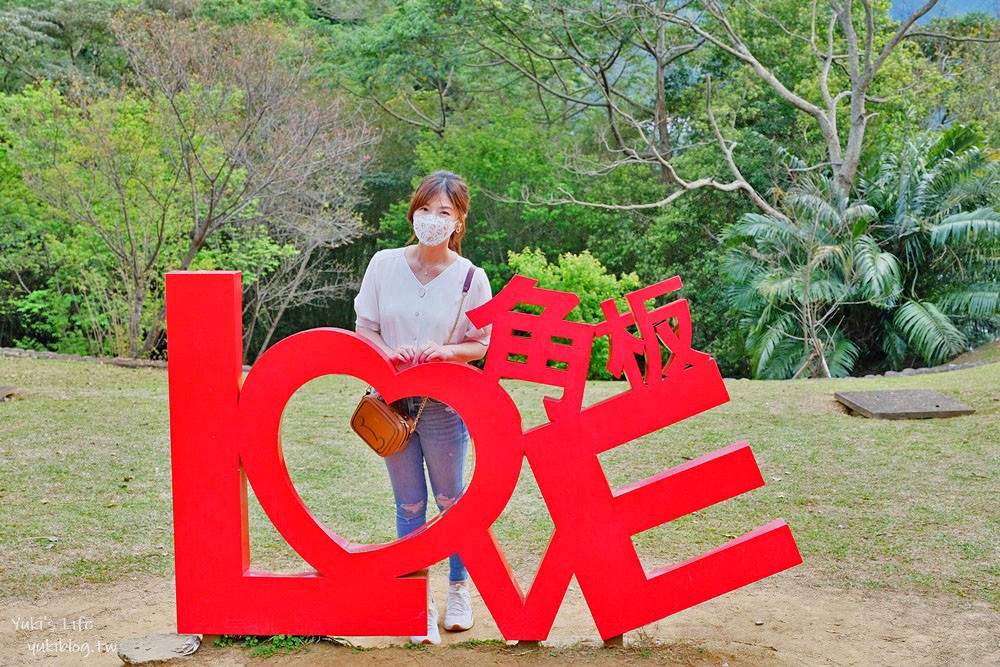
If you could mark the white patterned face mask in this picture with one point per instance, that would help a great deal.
(432, 230)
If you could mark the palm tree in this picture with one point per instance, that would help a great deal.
(937, 202)
(910, 270)
(791, 280)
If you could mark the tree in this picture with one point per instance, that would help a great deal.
(410, 61)
(615, 57)
(972, 64)
(616, 62)
(793, 276)
(938, 207)
(21, 30)
(61, 41)
(100, 165)
(225, 128)
(858, 46)
(253, 132)
(302, 274)
(26, 264)
(909, 271)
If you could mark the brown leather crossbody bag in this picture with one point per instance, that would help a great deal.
(386, 427)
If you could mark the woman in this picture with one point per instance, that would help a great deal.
(407, 305)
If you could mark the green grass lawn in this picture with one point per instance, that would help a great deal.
(902, 505)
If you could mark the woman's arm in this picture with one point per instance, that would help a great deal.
(375, 337)
(404, 354)
(465, 352)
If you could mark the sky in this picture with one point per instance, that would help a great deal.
(903, 8)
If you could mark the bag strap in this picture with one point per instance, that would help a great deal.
(465, 293)
(458, 316)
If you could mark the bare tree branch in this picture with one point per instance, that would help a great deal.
(952, 38)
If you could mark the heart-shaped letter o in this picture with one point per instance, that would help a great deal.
(490, 415)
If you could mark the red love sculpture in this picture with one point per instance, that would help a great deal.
(225, 432)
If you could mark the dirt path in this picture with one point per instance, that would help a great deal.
(799, 624)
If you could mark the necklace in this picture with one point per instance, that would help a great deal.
(427, 269)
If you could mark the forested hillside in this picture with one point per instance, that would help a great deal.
(824, 175)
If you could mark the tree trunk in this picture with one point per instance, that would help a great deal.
(250, 325)
(847, 171)
(292, 289)
(662, 121)
(156, 331)
(135, 318)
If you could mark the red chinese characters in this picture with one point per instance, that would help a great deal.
(555, 351)
(224, 433)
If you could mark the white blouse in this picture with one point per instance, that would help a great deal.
(392, 301)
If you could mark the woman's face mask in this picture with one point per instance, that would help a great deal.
(432, 230)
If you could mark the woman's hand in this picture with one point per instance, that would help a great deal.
(431, 351)
(404, 354)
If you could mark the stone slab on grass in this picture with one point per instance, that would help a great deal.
(903, 404)
(157, 649)
(7, 392)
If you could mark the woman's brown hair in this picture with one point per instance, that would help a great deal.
(452, 186)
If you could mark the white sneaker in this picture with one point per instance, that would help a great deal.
(433, 635)
(459, 612)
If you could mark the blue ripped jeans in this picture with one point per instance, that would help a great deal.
(442, 441)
